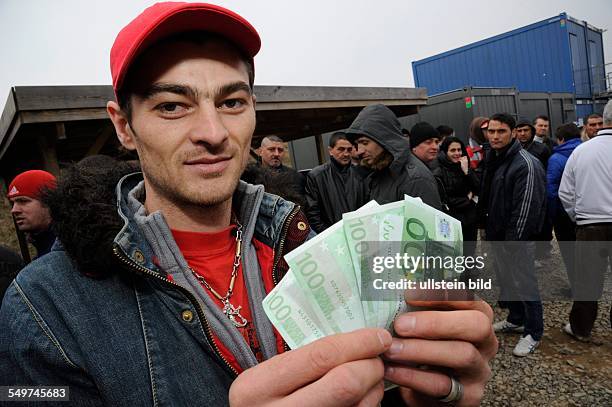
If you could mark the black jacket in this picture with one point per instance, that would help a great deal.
(457, 185)
(331, 190)
(10, 264)
(406, 174)
(282, 181)
(42, 241)
(513, 194)
(539, 151)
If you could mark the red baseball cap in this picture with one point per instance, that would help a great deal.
(168, 18)
(31, 183)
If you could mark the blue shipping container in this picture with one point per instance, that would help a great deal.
(559, 54)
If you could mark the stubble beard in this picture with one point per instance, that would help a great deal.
(184, 193)
(380, 162)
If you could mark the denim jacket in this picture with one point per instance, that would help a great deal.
(139, 337)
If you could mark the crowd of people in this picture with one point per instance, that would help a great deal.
(506, 180)
(509, 180)
(148, 285)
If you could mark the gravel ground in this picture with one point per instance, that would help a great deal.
(562, 371)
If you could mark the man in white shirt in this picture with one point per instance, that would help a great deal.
(586, 194)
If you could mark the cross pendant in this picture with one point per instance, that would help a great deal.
(233, 314)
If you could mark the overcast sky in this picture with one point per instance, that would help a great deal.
(312, 42)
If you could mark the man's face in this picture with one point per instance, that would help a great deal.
(427, 150)
(541, 127)
(593, 125)
(30, 214)
(272, 153)
(342, 151)
(192, 129)
(369, 150)
(499, 134)
(523, 134)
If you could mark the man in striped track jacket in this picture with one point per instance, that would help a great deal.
(513, 200)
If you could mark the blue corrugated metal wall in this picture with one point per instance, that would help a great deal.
(548, 56)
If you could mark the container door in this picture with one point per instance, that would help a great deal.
(556, 115)
(598, 76)
(531, 108)
(579, 63)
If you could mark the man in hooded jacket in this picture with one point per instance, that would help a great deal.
(395, 170)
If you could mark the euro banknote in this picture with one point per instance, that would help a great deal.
(325, 291)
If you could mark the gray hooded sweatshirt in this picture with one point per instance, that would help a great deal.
(406, 174)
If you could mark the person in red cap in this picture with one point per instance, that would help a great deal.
(31, 215)
(170, 312)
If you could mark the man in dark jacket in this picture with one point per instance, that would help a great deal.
(425, 143)
(542, 128)
(271, 154)
(514, 194)
(525, 134)
(153, 323)
(395, 170)
(334, 188)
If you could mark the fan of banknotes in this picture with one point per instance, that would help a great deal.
(330, 286)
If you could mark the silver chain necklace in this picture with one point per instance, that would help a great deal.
(233, 313)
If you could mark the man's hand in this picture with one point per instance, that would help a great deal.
(452, 338)
(338, 370)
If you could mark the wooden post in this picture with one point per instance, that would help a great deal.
(101, 140)
(60, 130)
(48, 153)
(320, 148)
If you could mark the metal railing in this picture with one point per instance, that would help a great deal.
(598, 79)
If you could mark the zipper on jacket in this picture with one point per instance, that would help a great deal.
(281, 244)
(207, 331)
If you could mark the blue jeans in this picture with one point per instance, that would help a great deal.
(519, 285)
(528, 313)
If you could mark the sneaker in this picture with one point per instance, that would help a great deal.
(508, 327)
(525, 346)
(568, 330)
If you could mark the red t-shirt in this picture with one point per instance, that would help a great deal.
(211, 255)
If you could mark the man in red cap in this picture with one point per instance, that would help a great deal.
(174, 314)
(31, 215)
